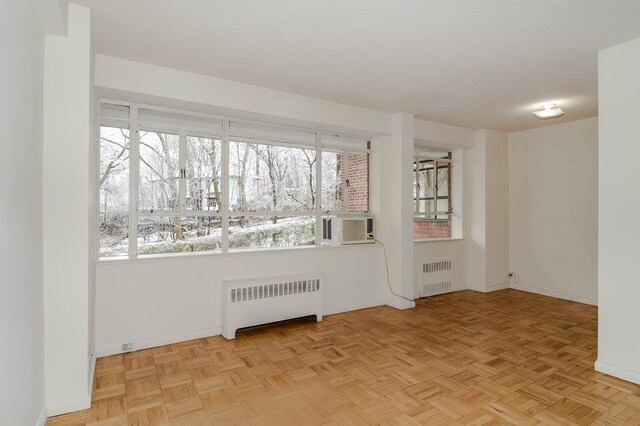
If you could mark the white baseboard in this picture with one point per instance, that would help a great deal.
(159, 341)
(92, 372)
(42, 418)
(496, 287)
(355, 307)
(556, 294)
(400, 303)
(619, 372)
(63, 407)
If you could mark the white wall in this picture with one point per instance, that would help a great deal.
(22, 398)
(619, 204)
(134, 299)
(229, 97)
(444, 136)
(66, 201)
(156, 301)
(487, 224)
(396, 211)
(553, 219)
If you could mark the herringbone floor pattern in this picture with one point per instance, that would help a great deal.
(464, 358)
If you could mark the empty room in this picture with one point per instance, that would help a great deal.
(340, 212)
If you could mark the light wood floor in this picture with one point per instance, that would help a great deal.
(507, 357)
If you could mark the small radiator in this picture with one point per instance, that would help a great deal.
(248, 303)
(436, 277)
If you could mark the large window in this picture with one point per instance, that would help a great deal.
(432, 206)
(173, 182)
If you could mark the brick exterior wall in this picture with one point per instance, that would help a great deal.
(358, 182)
(423, 229)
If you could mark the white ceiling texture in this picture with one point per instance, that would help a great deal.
(471, 63)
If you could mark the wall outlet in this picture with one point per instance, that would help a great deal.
(513, 277)
(128, 347)
(567, 283)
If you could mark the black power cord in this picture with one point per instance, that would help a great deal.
(386, 262)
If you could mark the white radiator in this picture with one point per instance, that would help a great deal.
(261, 301)
(436, 277)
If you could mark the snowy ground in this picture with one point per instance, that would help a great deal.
(286, 232)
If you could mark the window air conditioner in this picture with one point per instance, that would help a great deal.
(348, 229)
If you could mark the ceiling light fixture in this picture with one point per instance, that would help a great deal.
(548, 111)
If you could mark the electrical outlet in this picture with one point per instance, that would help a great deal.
(567, 283)
(513, 277)
(127, 347)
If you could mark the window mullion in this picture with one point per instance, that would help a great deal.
(434, 188)
(345, 162)
(318, 197)
(134, 170)
(224, 211)
(182, 174)
(416, 192)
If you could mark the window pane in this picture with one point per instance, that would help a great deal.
(163, 234)
(443, 189)
(114, 234)
(159, 171)
(333, 182)
(262, 232)
(114, 169)
(425, 180)
(265, 178)
(358, 182)
(203, 173)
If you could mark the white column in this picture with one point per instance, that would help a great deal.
(488, 229)
(66, 187)
(619, 204)
(396, 206)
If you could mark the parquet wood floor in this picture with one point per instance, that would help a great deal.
(464, 358)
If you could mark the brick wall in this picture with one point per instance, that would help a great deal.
(358, 182)
(423, 229)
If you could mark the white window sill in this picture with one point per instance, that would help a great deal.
(245, 252)
(436, 240)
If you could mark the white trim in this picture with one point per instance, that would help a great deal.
(198, 255)
(435, 240)
(68, 406)
(355, 307)
(400, 303)
(232, 118)
(621, 373)
(160, 341)
(496, 287)
(42, 418)
(556, 294)
(92, 372)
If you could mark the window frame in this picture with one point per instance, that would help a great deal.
(136, 126)
(432, 215)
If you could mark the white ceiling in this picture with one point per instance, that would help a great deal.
(472, 63)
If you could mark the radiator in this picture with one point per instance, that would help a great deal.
(248, 303)
(436, 277)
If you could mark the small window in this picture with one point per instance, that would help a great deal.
(432, 195)
(114, 154)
